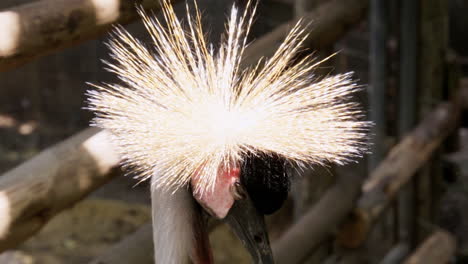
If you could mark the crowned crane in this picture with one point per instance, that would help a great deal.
(216, 139)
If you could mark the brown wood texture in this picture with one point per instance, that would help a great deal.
(438, 248)
(40, 27)
(53, 180)
(400, 165)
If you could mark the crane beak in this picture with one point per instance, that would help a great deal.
(249, 226)
(230, 201)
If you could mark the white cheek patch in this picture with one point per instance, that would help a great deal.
(218, 201)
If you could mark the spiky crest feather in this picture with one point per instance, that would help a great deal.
(184, 107)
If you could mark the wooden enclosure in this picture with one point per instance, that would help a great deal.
(387, 213)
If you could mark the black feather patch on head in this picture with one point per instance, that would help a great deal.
(266, 181)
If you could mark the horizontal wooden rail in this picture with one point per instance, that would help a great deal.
(396, 170)
(35, 29)
(53, 180)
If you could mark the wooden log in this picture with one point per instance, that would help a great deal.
(325, 25)
(396, 170)
(53, 180)
(35, 29)
(439, 248)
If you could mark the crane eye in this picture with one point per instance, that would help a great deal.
(238, 191)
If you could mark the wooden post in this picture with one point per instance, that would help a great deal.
(407, 114)
(378, 78)
(379, 25)
(433, 44)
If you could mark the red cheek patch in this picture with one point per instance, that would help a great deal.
(218, 201)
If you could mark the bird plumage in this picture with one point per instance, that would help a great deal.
(185, 113)
(183, 107)
(173, 232)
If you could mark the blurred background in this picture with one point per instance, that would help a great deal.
(409, 206)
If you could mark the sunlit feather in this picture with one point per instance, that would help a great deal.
(182, 107)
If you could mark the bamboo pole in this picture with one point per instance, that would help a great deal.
(53, 180)
(396, 170)
(439, 248)
(35, 29)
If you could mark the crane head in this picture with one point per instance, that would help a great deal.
(243, 194)
(188, 117)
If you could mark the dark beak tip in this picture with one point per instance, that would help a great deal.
(249, 226)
